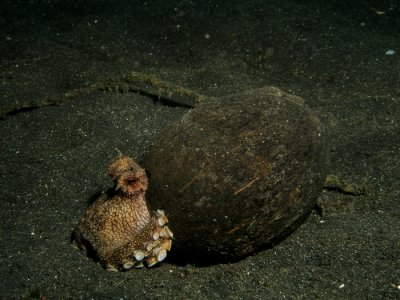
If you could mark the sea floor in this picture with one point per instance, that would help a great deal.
(59, 130)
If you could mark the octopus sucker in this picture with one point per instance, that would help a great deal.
(127, 263)
(119, 227)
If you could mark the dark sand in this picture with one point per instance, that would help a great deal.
(53, 159)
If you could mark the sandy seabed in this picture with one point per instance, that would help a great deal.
(342, 57)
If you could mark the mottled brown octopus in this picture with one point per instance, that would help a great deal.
(119, 227)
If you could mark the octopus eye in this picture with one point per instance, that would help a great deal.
(132, 180)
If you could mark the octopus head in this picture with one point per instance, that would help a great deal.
(129, 177)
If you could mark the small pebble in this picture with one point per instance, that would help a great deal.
(390, 52)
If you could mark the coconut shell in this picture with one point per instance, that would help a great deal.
(238, 173)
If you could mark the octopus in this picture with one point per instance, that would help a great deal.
(119, 227)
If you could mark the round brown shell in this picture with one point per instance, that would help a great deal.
(238, 173)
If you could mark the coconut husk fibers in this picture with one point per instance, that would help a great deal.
(239, 173)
